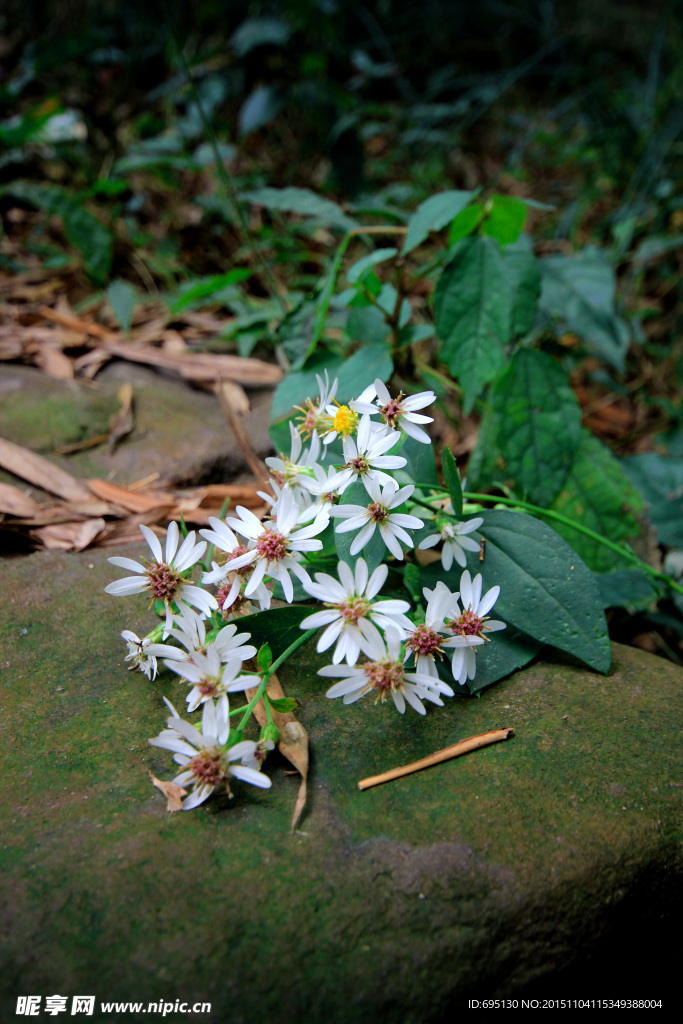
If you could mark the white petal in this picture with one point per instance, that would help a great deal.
(153, 541)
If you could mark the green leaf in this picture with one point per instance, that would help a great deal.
(82, 228)
(598, 494)
(525, 279)
(411, 581)
(368, 325)
(203, 289)
(122, 297)
(508, 650)
(579, 291)
(278, 627)
(259, 109)
(283, 704)
(420, 464)
(659, 478)
(375, 550)
(303, 202)
(433, 214)
(355, 273)
(452, 480)
(94, 241)
(540, 424)
(546, 591)
(467, 221)
(264, 658)
(353, 375)
(473, 306)
(625, 588)
(504, 220)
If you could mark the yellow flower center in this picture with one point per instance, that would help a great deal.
(345, 420)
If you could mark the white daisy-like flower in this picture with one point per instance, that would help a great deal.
(316, 419)
(210, 679)
(426, 640)
(288, 472)
(352, 617)
(471, 621)
(366, 458)
(231, 583)
(320, 489)
(143, 653)
(385, 675)
(190, 630)
(343, 421)
(163, 577)
(456, 541)
(278, 545)
(392, 525)
(397, 413)
(204, 757)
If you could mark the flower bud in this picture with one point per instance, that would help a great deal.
(270, 732)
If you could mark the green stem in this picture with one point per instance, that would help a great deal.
(269, 672)
(536, 510)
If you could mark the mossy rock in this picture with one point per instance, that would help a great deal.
(179, 432)
(524, 867)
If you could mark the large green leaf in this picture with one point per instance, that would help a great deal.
(546, 591)
(279, 627)
(579, 290)
(525, 280)
(303, 202)
(375, 550)
(433, 214)
(598, 494)
(540, 424)
(659, 478)
(473, 305)
(509, 649)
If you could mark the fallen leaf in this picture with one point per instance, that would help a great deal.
(293, 740)
(131, 501)
(40, 472)
(15, 503)
(54, 363)
(171, 791)
(70, 536)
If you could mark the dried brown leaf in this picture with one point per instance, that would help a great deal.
(171, 791)
(70, 536)
(14, 502)
(131, 501)
(293, 740)
(40, 472)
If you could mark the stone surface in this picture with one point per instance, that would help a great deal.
(546, 865)
(180, 432)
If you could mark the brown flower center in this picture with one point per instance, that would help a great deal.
(378, 513)
(208, 767)
(467, 624)
(425, 641)
(384, 676)
(392, 410)
(360, 464)
(353, 609)
(163, 581)
(272, 545)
